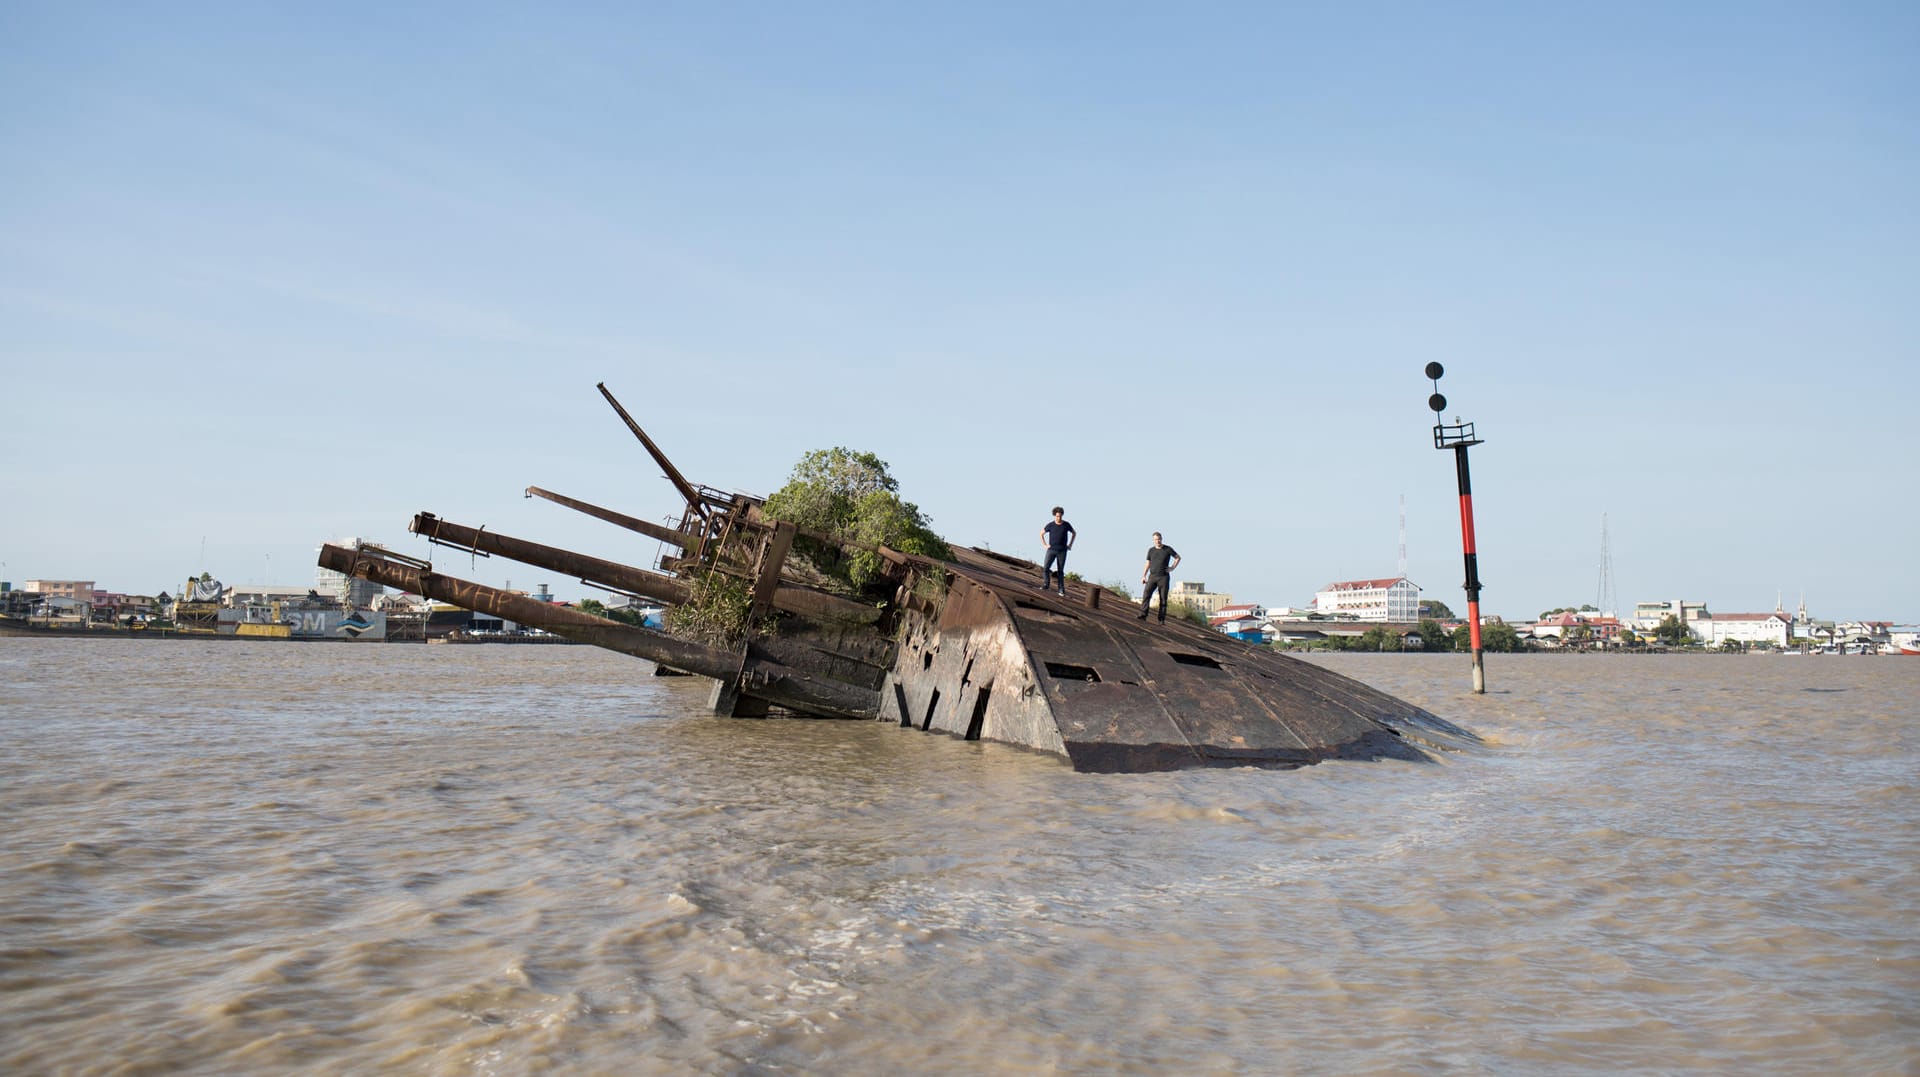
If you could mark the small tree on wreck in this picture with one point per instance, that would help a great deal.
(850, 495)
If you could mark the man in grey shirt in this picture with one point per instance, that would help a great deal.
(1161, 561)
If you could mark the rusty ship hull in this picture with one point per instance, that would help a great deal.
(969, 647)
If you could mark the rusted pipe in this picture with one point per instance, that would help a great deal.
(678, 480)
(686, 540)
(773, 682)
(609, 574)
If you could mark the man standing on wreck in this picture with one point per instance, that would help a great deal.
(1058, 537)
(1161, 561)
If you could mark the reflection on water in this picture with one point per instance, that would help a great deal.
(261, 857)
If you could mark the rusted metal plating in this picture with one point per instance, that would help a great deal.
(968, 647)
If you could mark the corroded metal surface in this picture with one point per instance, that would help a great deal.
(1084, 677)
(972, 647)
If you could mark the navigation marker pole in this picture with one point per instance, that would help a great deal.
(1459, 437)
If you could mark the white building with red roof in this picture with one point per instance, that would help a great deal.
(1570, 625)
(1394, 598)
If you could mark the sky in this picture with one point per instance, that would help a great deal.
(272, 275)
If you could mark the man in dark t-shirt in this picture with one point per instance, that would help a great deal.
(1058, 537)
(1161, 561)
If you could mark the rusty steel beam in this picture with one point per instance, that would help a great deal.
(686, 540)
(679, 481)
(753, 677)
(788, 598)
(773, 557)
(609, 574)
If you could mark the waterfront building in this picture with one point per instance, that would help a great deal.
(1569, 626)
(1648, 615)
(1867, 634)
(1242, 620)
(1715, 629)
(243, 593)
(78, 590)
(104, 606)
(1194, 595)
(1394, 598)
(1242, 626)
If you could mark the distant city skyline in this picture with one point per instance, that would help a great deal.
(271, 277)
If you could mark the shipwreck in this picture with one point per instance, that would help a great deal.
(967, 646)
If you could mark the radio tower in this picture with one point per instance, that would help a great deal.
(1607, 600)
(1403, 534)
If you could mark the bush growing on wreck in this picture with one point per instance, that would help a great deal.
(850, 494)
(1189, 613)
(717, 611)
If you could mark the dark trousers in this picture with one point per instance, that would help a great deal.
(1154, 583)
(1054, 567)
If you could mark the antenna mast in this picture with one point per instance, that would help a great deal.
(1403, 534)
(1606, 599)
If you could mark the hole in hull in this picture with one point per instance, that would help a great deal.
(979, 713)
(1066, 671)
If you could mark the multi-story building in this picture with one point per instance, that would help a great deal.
(1648, 615)
(1393, 598)
(1194, 595)
(81, 590)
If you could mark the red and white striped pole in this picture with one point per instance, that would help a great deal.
(1459, 437)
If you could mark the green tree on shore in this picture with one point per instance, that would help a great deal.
(1497, 636)
(623, 614)
(1378, 638)
(1434, 636)
(1672, 632)
(1500, 636)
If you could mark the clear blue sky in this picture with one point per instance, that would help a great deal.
(269, 277)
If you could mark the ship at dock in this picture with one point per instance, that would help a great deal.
(964, 645)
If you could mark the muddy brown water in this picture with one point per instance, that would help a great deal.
(247, 858)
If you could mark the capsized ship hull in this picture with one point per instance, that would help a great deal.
(967, 647)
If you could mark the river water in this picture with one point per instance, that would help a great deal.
(262, 857)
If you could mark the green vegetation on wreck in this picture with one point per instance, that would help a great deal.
(836, 492)
(718, 612)
(850, 495)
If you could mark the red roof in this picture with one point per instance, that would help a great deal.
(1363, 585)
